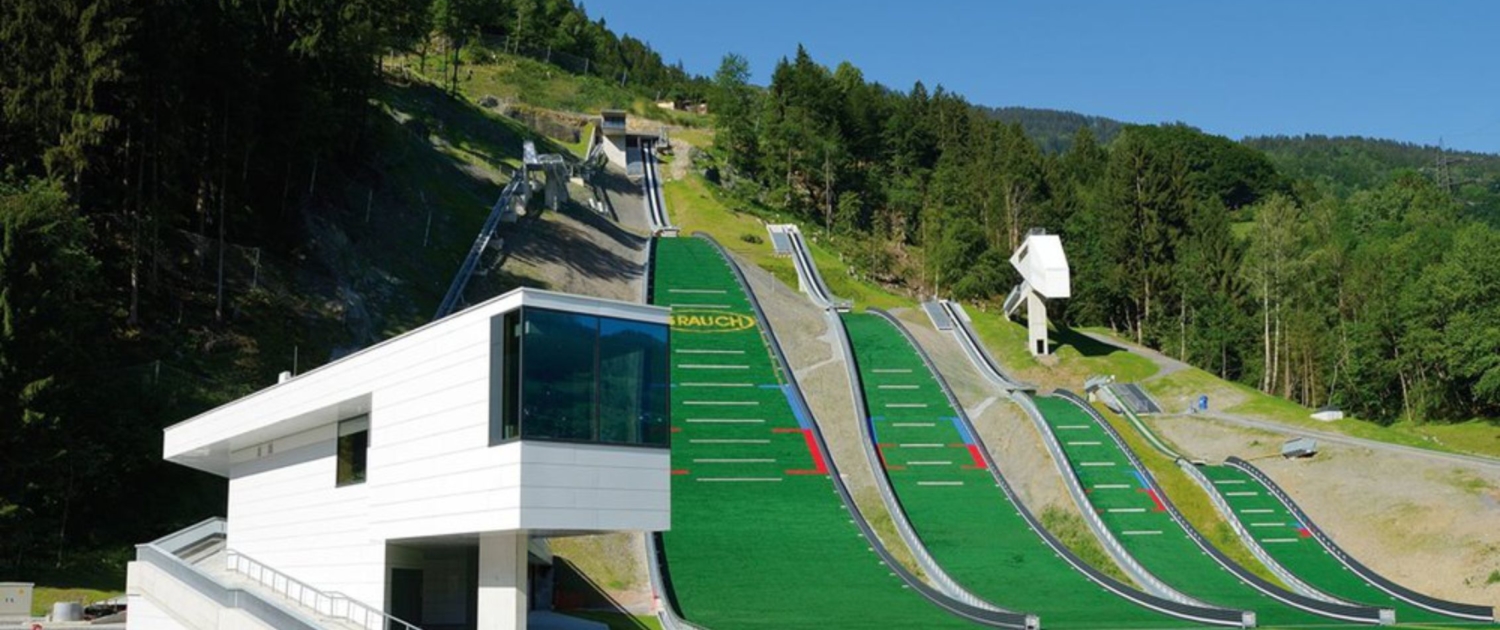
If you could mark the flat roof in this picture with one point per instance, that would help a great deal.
(323, 395)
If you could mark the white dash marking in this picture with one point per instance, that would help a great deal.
(725, 420)
(913, 424)
(1141, 532)
(692, 351)
(717, 384)
(920, 445)
(1258, 511)
(891, 370)
(751, 479)
(1098, 464)
(1082, 443)
(711, 366)
(931, 463)
(1125, 510)
(1241, 494)
(711, 291)
(1279, 540)
(906, 405)
(940, 483)
(1112, 486)
(722, 403)
(896, 386)
(734, 461)
(726, 441)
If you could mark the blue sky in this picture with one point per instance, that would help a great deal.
(1411, 71)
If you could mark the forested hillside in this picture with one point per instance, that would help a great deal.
(1349, 164)
(1053, 130)
(1381, 297)
(175, 184)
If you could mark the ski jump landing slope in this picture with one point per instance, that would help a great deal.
(762, 535)
(964, 512)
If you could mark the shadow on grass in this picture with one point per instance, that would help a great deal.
(1085, 345)
(576, 594)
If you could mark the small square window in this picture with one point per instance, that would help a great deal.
(354, 449)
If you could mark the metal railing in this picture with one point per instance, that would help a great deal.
(329, 604)
(778, 359)
(1207, 615)
(1472, 612)
(1111, 544)
(455, 293)
(976, 351)
(1357, 614)
(904, 529)
(162, 554)
(1247, 539)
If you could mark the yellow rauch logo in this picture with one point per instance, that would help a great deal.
(710, 321)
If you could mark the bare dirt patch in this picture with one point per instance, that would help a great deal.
(1428, 525)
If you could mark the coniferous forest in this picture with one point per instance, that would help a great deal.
(1380, 294)
(139, 137)
(140, 140)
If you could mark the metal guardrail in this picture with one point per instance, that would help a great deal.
(330, 604)
(904, 529)
(1112, 545)
(803, 259)
(1357, 614)
(1140, 426)
(162, 554)
(952, 606)
(455, 292)
(1471, 612)
(977, 353)
(1208, 615)
(1249, 541)
(666, 609)
(656, 206)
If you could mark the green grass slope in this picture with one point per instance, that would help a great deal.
(759, 539)
(1277, 531)
(1143, 526)
(966, 522)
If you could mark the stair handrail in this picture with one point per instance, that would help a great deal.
(162, 554)
(332, 604)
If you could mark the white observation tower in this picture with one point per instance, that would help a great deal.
(1044, 276)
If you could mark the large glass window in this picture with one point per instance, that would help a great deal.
(558, 376)
(354, 449)
(566, 376)
(632, 382)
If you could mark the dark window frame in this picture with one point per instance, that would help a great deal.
(359, 452)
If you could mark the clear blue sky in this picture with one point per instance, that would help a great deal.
(1412, 71)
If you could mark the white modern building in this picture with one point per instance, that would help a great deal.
(408, 478)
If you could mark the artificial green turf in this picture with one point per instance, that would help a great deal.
(1117, 492)
(966, 522)
(780, 551)
(1277, 531)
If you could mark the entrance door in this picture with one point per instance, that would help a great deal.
(406, 596)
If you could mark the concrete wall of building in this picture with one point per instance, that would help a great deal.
(285, 510)
(157, 601)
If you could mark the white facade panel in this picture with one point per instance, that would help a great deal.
(286, 511)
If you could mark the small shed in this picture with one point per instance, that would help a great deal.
(1299, 447)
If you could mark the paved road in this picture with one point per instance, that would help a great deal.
(1489, 463)
(1169, 365)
